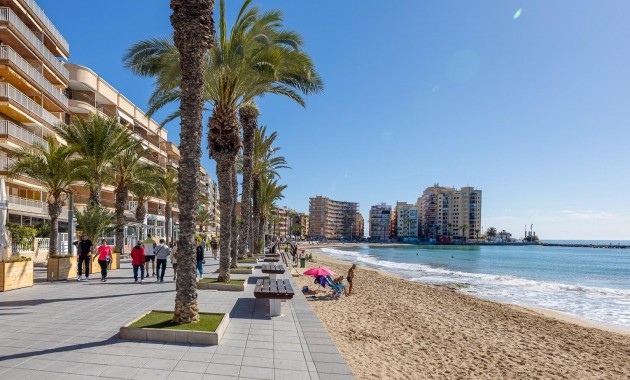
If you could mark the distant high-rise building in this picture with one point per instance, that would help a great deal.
(380, 222)
(406, 221)
(330, 219)
(448, 212)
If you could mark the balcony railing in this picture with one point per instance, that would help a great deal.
(11, 129)
(7, 14)
(7, 90)
(7, 52)
(5, 163)
(27, 205)
(48, 24)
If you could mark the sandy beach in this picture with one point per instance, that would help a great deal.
(391, 328)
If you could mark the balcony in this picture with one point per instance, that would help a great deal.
(32, 5)
(7, 15)
(13, 130)
(15, 97)
(27, 205)
(9, 54)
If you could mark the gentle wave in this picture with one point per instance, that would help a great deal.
(446, 275)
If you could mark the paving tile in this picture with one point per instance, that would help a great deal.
(324, 367)
(218, 377)
(227, 359)
(256, 373)
(190, 366)
(150, 374)
(162, 364)
(175, 375)
(223, 369)
(254, 361)
(286, 374)
(297, 365)
(327, 357)
(228, 350)
(119, 372)
(17, 374)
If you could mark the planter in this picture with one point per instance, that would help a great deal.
(238, 271)
(62, 268)
(95, 268)
(251, 260)
(16, 275)
(221, 286)
(174, 335)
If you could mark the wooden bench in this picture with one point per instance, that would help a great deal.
(272, 270)
(274, 291)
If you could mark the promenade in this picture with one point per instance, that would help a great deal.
(69, 330)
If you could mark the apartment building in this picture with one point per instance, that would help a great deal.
(450, 213)
(282, 221)
(380, 226)
(32, 99)
(330, 219)
(406, 221)
(358, 229)
(304, 225)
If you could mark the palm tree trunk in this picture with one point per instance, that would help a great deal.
(193, 27)
(141, 210)
(122, 194)
(260, 243)
(256, 229)
(95, 192)
(224, 141)
(54, 210)
(249, 121)
(234, 253)
(168, 217)
(225, 206)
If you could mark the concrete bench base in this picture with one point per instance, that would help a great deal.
(174, 336)
(238, 271)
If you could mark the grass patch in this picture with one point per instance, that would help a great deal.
(161, 320)
(215, 281)
(244, 267)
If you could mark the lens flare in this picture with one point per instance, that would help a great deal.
(518, 13)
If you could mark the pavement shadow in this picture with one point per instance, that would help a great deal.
(250, 308)
(41, 301)
(105, 342)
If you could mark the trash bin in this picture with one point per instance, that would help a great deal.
(302, 262)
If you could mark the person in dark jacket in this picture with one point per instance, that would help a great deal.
(200, 260)
(84, 250)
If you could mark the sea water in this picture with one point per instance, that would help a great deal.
(586, 282)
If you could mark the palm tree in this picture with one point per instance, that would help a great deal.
(150, 186)
(97, 140)
(128, 169)
(266, 165)
(204, 218)
(491, 232)
(254, 58)
(464, 229)
(94, 220)
(270, 192)
(168, 192)
(54, 166)
(193, 35)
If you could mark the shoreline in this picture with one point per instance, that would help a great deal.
(550, 313)
(433, 332)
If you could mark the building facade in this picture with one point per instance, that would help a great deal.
(406, 221)
(450, 213)
(32, 99)
(330, 219)
(380, 222)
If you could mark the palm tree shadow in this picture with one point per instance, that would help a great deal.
(45, 300)
(108, 341)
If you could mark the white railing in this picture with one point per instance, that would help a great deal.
(48, 24)
(42, 243)
(11, 129)
(24, 204)
(7, 52)
(7, 14)
(7, 90)
(5, 163)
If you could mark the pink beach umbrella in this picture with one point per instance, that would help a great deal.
(319, 272)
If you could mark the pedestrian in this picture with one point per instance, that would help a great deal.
(138, 261)
(149, 254)
(350, 277)
(174, 259)
(104, 258)
(161, 254)
(200, 260)
(84, 250)
(215, 247)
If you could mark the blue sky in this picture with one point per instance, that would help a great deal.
(532, 110)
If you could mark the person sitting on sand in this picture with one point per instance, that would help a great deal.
(350, 278)
(339, 281)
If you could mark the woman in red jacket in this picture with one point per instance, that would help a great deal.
(137, 260)
(104, 258)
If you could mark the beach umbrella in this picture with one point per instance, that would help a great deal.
(319, 272)
(4, 203)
